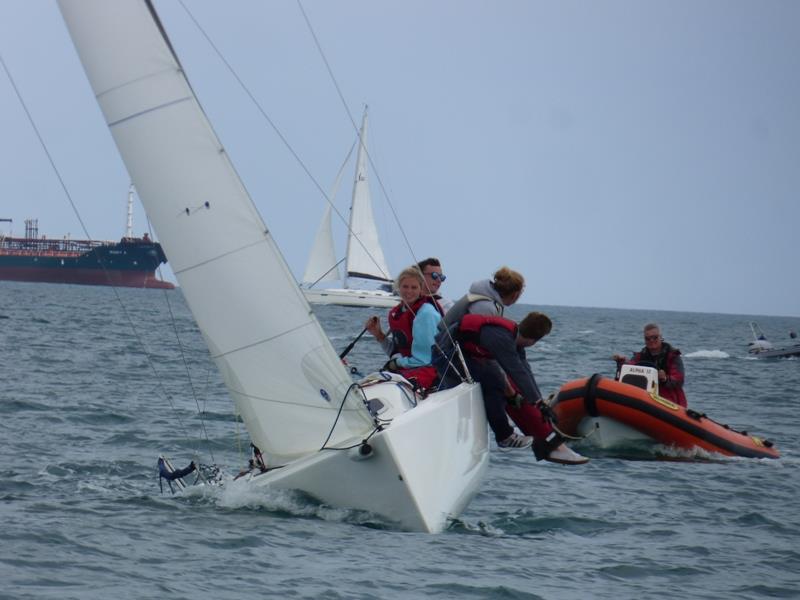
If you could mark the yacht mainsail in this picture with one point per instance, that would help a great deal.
(375, 445)
(278, 365)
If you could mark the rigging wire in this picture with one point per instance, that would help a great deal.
(185, 361)
(353, 385)
(277, 131)
(369, 158)
(125, 311)
(292, 151)
(353, 123)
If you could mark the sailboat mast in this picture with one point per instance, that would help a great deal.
(360, 176)
(129, 225)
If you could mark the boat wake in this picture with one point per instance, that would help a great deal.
(708, 354)
(240, 495)
(645, 450)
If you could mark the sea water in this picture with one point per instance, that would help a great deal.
(95, 383)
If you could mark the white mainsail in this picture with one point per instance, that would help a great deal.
(364, 253)
(275, 359)
(414, 463)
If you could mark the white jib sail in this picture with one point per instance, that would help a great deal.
(276, 361)
(322, 264)
(364, 252)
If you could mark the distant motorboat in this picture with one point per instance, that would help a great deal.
(761, 347)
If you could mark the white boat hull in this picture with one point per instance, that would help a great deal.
(605, 433)
(347, 297)
(424, 468)
(777, 352)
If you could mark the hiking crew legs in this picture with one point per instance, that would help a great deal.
(493, 385)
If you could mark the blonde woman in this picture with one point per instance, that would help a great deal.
(412, 328)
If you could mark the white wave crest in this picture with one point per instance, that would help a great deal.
(708, 354)
(240, 494)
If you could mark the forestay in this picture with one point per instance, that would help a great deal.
(274, 357)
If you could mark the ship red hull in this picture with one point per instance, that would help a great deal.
(119, 278)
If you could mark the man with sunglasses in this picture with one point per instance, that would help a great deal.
(665, 358)
(434, 278)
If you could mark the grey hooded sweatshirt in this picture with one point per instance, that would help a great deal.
(482, 299)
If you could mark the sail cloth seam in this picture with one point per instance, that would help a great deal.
(263, 341)
(131, 81)
(218, 256)
(149, 110)
(280, 134)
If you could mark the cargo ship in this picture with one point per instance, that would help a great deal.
(131, 262)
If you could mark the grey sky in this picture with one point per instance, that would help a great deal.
(623, 154)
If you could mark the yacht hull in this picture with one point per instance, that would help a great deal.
(347, 297)
(423, 469)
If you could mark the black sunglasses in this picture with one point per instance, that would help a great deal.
(436, 276)
(651, 338)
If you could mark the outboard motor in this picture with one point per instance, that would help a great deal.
(640, 376)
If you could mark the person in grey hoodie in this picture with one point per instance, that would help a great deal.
(490, 298)
(487, 297)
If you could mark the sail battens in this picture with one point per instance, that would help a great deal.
(242, 294)
(213, 259)
(309, 323)
(132, 82)
(149, 110)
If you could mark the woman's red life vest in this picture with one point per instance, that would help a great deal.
(401, 324)
(469, 332)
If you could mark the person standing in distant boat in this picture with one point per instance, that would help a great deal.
(413, 324)
(434, 278)
(663, 357)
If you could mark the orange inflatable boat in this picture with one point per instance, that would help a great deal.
(614, 413)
